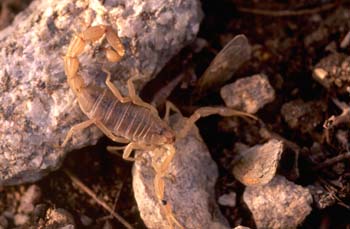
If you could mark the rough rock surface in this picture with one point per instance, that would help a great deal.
(59, 218)
(189, 188)
(228, 200)
(333, 72)
(37, 107)
(29, 199)
(303, 115)
(248, 94)
(258, 164)
(278, 204)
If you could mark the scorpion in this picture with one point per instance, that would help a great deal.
(127, 119)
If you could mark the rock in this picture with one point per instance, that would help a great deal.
(304, 116)
(29, 199)
(228, 200)
(3, 222)
(189, 189)
(333, 72)
(59, 218)
(21, 219)
(258, 164)
(278, 204)
(248, 94)
(36, 106)
(86, 220)
(337, 20)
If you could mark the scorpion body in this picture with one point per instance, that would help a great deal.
(123, 119)
(127, 119)
(134, 123)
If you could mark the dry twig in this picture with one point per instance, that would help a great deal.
(288, 13)
(332, 161)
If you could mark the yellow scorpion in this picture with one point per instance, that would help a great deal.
(127, 119)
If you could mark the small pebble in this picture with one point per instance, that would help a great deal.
(59, 217)
(3, 222)
(258, 165)
(305, 116)
(228, 200)
(29, 199)
(21, 219)
(85, 220)
(248, 94)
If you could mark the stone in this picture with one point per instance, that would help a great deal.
(258, 165)
(278, 204)
(59, 218)
(36, 105)
(3, 222)
(228, 200)
(189, 188)
(333, 72)
(248, 94)
(21, 219)
(305, 116)
(29, 199)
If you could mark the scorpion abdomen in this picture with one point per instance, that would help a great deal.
(126, 120)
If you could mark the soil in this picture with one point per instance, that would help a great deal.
(288, 38)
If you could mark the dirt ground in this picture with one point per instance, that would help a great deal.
(288, 38)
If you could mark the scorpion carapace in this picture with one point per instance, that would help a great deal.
(127, 119)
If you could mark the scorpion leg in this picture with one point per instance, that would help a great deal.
(136, 99)
(207, 111)
(109, 134)
(168, 107)
(133, 97)
(129, 148)
(114, 89)
(77, 127)
(159, 185)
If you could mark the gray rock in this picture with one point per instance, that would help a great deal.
(86, 220)
(189, 189)
(3, 222)
(304, 116)
(21, 219)
(258, 164)
(29, 199)
(278, 204)
(228, 200)
(248, 94)
(36, 106)
(59, 218)
(333, 72)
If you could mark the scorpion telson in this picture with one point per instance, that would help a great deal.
(127, 119)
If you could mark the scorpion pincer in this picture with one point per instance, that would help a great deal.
(127, 119)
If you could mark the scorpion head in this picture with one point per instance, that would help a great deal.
(163, 136)
(168, 136)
